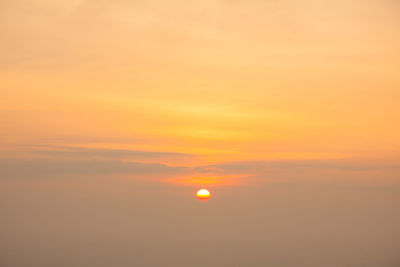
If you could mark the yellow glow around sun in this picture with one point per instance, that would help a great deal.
(203, 194)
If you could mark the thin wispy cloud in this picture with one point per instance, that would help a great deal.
(88, 153)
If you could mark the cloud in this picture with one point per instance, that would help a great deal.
(81, 152)
(54, 161)
(343, 172)
(260, 166)
(11, 168)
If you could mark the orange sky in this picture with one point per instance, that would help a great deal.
(220, 80)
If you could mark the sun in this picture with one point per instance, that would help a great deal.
(203, 194)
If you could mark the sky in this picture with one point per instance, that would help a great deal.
(114, 113)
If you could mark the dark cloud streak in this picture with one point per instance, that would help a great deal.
(81, 152)
(14, 168)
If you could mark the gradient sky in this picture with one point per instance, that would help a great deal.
(113, 114)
